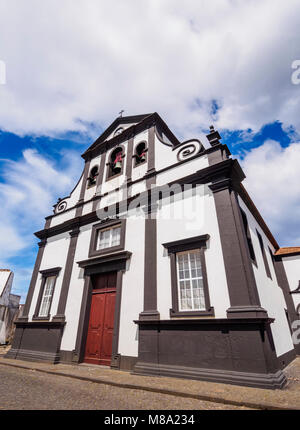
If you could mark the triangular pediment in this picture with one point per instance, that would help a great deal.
(117, 126)
(123, 127)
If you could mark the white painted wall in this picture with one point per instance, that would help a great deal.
(187, 168)
(132, 288)
(111, 184)
(292, 269)
(196, 215)
(164, 156)
(124, 126)
(270, 294)
(6, 279)
(55, 255)
(73, 304)
(62, 217)
(139, 171)
(90, 191)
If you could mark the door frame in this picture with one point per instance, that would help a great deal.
(118, 263)
(104, 292)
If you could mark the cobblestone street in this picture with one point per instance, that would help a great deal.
(30, 390)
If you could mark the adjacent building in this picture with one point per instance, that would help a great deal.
(158, 262)
(9, 306)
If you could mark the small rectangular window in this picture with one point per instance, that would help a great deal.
(261, 244)
(109, 238)
(47, 296)
(248, 236)
(44, 301)
(190, 281)
(190, 292)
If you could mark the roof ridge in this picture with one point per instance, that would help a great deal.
(117, 121)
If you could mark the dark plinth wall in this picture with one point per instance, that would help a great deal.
(229, 351)
(37, 341)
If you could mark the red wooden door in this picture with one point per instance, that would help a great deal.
(101, 324)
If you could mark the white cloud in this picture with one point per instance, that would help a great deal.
(272, 180)
(31, 186)
(69, 60)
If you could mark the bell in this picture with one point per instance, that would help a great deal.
(142, 158)
(117, 166)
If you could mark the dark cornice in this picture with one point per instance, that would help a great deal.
(41, 324)
(226, 174)
(191, 242)
(206, 321)
(214, 172)
(116, 256)
(50, 272)
(154, 173)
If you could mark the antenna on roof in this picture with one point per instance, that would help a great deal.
(120, 113)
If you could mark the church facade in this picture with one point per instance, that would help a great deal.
(159, 263)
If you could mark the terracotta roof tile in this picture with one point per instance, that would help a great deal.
(288, 250)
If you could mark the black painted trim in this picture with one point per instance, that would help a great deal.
(99, 181)
(150, 271)
(104, 263)
(186, 244)
(241, 282)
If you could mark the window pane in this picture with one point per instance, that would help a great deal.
(116, 232)
(190, 280)
(47, 295)
(108, 238)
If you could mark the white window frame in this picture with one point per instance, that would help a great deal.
(110, 245)
(47, 296)
(190, 279)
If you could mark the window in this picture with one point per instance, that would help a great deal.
(248, 237)
(43, 306)
(115, 164)
(190, 281)
(47, 296)
(190, 295)
(108, 236)
(140, 153)
(92, 177)
(261, 243)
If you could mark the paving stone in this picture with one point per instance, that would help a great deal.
(286, 398)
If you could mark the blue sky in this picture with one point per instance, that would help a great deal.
(72, 66)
